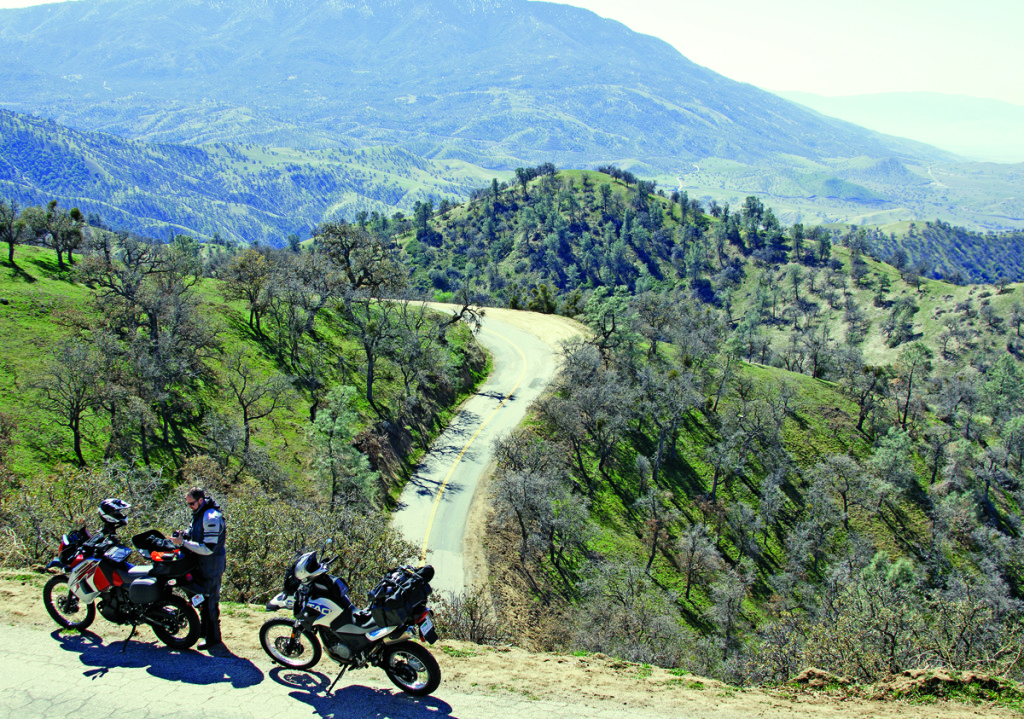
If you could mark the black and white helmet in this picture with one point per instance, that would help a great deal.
(113, 510)
(308, 567)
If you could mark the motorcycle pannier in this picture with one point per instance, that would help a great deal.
(396, 598)
(144, 591)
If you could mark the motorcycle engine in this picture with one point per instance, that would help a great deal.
(345, 646)
(113, 606)
(110, 611)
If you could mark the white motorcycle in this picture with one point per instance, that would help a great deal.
(382, 635)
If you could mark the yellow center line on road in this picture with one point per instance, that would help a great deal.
(440, 492)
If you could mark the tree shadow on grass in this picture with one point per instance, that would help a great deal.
(50, 268)
(18, 274)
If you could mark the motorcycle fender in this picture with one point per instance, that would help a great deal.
(55, 562)
(390, 635)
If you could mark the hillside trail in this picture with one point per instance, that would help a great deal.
(443, 505)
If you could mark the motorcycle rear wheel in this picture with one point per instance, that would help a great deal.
(288, 648)
(174, 622)
(411, 668)
(66, 609)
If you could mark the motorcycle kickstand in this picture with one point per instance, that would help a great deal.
(131, 634)
(340, 675)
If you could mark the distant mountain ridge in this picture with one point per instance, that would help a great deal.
(245, 194)
(496, 82)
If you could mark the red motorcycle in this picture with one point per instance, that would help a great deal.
(96, 574)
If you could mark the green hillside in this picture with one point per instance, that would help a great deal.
(772, 452)
(141, 367)
(241, 193)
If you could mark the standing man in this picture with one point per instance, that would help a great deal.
(206, 538)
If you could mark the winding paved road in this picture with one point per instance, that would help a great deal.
(435, 504)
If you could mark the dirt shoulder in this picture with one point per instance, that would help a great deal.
(585, 681)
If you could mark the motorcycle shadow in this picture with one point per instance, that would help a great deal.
(310, 688)
(189, 667)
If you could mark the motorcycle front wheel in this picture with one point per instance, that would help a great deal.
(289, 648)
(411, 668)
(66, 609)
(174, 622)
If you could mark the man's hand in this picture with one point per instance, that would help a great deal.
(176, 539)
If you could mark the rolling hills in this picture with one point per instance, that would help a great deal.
(243, 193)
(771, 445)
(495, 84)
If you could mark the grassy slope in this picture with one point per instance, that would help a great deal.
(41, 299)
(823, 422)
(35, 300)
(34, 320)
(936, 299)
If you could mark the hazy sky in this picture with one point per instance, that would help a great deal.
(958, 47)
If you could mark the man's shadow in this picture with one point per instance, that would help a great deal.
(355, 700)
(189, 667)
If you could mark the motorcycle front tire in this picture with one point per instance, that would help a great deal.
(64, 607)
(284, 646)
(174, 612)
(411, 668)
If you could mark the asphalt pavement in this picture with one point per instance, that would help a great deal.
(82, 676)
(435, 503)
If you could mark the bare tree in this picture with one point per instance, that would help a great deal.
(728, 593)
(60, 229)
(247, 278)
(698, 559)
(840, 475)
(69, 386)
(365, 262)
(656, 508)
(624, 613)
(666, 399)
(257, 396)
(912, 371)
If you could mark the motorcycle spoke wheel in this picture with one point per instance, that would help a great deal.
(64, 607)
(300, 651)
(174, 622)
(411, 668)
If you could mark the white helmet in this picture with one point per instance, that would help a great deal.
(307, 567)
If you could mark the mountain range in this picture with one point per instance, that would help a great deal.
(494, 83)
